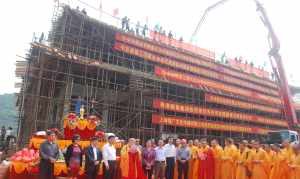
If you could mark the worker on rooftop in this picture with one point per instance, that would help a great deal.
(127, 24)
(137, 28)
(124, 22)
(84, 11)
(170, 35)
(145, 28)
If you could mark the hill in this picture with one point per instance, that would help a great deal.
(8, 112)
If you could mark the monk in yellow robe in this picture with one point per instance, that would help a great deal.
(217, 152)
(229, 159)
(278, 170)
(295, 164)
(258, 160)
(131, 163)
(194, 161)
(242, 170)
(287, 153)
(270, 156)
(177, 144)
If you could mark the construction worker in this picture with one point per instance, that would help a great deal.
(137, 28)
(144, 30)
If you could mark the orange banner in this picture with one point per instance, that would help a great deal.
(156, 48)
(198, 81)
(191, 68)
(199, 110)
(201, 124)
(237, 103)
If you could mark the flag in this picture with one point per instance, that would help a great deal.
(100, 6)
(116, 12)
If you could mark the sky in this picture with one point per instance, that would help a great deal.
(234, 28)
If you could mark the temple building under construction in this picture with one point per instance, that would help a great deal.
(143, 87)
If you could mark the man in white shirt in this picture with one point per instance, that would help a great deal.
(160, 161)
(170, 151)
(109, 158)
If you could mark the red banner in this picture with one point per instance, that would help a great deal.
(198, 81)
(211, 112)
(156, 48)
(201, 124)
(237, 103)
(182, 45)
(191, 68)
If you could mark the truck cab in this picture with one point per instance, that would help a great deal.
(277, 137)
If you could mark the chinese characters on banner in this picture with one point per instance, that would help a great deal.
(198, 81)
(211, 112)
(200, 124)
(190, 68)
(157, 48)
(237, 103)
(181, 45)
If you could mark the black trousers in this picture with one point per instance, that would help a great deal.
(111, 171)
(148, 172)
(92, 172)
(183, 169)
(170, 167)
(46, 169)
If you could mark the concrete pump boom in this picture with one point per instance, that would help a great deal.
(275, 59)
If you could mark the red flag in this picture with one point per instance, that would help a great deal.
(116, 12)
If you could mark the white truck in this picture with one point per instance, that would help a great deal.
(277, 137)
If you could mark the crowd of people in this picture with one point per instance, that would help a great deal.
(182, 159)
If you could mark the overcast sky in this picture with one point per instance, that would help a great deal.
(234, 28)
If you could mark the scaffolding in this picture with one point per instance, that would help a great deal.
(79, 60)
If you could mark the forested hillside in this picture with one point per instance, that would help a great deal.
(8, 111)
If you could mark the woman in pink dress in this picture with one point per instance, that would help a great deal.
(73, 157)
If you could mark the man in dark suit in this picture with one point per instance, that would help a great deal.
(93, 157)
(49, 153)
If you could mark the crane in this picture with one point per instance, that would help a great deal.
(275, 59)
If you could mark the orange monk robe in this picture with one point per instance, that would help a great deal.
(258, 159)
(287, 154)
(228, 162)
(270, 158)
(131, 164)
(295, 168)
(279, 168)
(218, 152)
(242, 164)
(193, 163)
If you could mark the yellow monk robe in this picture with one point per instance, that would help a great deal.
(130, 164)
(270, 158)
(228, 162)
(243, 164)
(288, 153)
(295, 168)
(218, 152)
(193, 163)
(258, 159)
